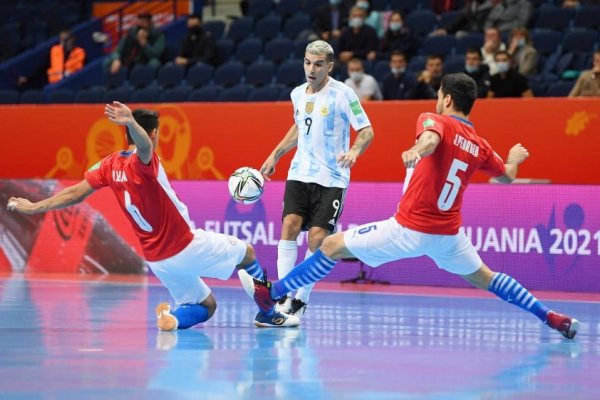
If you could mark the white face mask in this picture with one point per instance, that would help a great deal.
(398, 71)
(471, 68)
(356, 22)
(362, 4)
(395, 26)
(502, 67)
(356, 76)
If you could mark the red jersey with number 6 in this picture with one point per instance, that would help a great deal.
(433, 193)
(160, 220)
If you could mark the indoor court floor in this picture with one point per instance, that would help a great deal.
(80, 338)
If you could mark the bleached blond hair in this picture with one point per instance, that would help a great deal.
(319, 48)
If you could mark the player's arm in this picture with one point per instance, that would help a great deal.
(363, 140)
(66, 197)
(425, 145)
(289, 141)
(120, 114)
(516, 156)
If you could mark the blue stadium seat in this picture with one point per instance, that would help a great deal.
(537, 87)
(170, 75)
(454, 66)
(265, 93)
(449, 18)
(237, 93)
(260, 73)
(473, 40)
(9, 96)
(199, 75)
(240, 29)
(175, 95)
(259, 8)
(582, 41)
(278, 50)
(417, 63)
(285, 93)
(290, 73)
(295, 25)
(550, 17)
(300, 49)
(381, 69)
(545, 41)
(310, 6)
(229, 74)
(248, 50)
(90, 96)
(268, 27)
(559, 89)
(145, 95)
(206, 93)
(141, 75)
(287, 8)
(115, 80)
(442, 45)
(216, 28)
(122, 94)
(406, 6)
(421, 22)
(379, 5)
(33, 96)
(60, 96)
(225, 49)
(587, 17)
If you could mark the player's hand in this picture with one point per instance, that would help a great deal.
(18, 204)
(268, 168)
(348, 159)
(410, 158)
(118, 113)
(517, 154)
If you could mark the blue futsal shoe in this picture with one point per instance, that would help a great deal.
(275, 320)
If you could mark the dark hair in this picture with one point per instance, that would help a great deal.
(195, 16)
(473, 50)
(502, 52)
(398, 53)
(463, 90)
(435, 57)
(147, 119)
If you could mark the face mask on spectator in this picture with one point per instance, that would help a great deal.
(471, 68)
(356, 76)
(356, 22)
(334, 2)
(521, 42)
(398, 71)
(502, 67)
(395, 26)
(362, 4)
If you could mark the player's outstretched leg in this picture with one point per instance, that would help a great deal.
(287, 252)
(300, 302)
(511, 291)
(185, 316)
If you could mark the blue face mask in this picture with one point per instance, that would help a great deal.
(471, 68)
(395, 26)
(334, 2)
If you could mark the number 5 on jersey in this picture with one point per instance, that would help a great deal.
(452, 185)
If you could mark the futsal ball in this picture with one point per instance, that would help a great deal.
(246, 185)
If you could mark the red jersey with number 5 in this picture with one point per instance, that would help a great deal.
(433, 193)
(160, 220)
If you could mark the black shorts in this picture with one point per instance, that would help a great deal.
(317, 205)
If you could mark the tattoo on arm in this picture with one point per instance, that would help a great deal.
(279, 153)
(364, 138)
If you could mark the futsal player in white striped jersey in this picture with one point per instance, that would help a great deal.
(324, 110)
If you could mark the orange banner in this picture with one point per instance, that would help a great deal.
(211, 140)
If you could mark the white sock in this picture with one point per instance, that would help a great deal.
(304, 292)
(287, 252)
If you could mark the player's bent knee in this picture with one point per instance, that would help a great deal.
(333, 246)
(211, 305)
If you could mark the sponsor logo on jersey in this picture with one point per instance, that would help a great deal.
(428, 123)
(297, 112)
(355, 107)
(310, 105)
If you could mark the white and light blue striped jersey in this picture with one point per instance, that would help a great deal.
(324, 119)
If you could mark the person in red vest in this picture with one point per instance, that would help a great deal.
(65, 58)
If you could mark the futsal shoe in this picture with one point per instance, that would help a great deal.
(164, 319)
(275, 320)
(259, 291)
(284, 305)
(566, 325)
(298, 308)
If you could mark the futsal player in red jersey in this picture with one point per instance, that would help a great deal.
(439, 166)
(177, 254)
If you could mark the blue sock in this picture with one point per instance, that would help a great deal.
(511, 291)
(255, 270)
(190, 314)
(312, 269)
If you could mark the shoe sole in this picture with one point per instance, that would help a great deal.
(165, 322)
(247, 283)
(263, 325)
(573, 329)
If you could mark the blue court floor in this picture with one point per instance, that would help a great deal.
(72, 339)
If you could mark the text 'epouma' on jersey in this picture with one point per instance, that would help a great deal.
(324, 120)
(433, 196)
(160, 220)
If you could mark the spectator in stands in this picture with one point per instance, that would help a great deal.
(143, 44)
(357, 39)
(428, 80)
(442, 6)
(363, 84)
(198, 45)
(521, 49)
(480, 72)
(65, 57)
(472, 19)
(507, 82)
(509, 14)
(397, 38)
(330, 19)
(374, 18)
(399, 81)
(588, 83)
(491, 45)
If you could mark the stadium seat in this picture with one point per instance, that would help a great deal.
(225, 49)
(587, 17)
(295, 25)
(170, 75)
(237, 93)
(216, 28)
(381, 69)
(551, 17)
(582, 41)
(248, 50)
(287, 8)
(290, 73)
(60, 96)
(473, 40)
(379, 5)
(406, 6)
(175, 95)
(421, 22)
(311, 6)
(90, 96)
(117, 79)
(454, 66)
(442, 45)
(240, 29)
(417, 63)
(300, 49)
(9, 96)
(278, 50)
(122, 94)
(33, 96)
(268, 27)
(145, 95)
(265, 93)
(449, 18)
(259, 8)
(141, 75)
(260, 73)
(206, 93)
(229, 74)
(537, 87)
(199, 75)
(559, 89)
(285, 94)
(545, 41)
